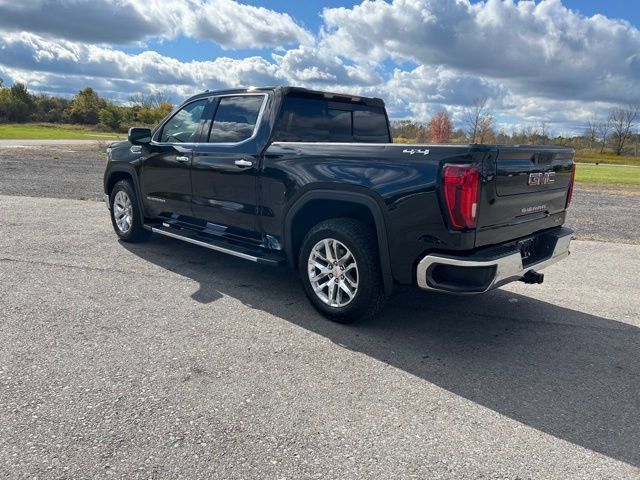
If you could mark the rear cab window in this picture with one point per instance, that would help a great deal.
(305, 118)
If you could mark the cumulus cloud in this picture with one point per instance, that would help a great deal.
(542, 48)
(426, 84)
(311, 65)
(29, 52)
(234, 25)
(227, 22)
(421, 92)
(535, 61)
(29, 58)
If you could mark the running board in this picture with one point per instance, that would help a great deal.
(217, 245)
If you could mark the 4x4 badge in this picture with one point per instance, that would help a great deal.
(413, 150)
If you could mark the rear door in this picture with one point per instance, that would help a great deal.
(166, 176)
(226, 165)
(525, 191)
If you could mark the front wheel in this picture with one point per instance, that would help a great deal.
(125, 214)
(340, 269)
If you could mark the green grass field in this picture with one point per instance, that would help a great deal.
(35, 131)
(594, 157)
(608, 174)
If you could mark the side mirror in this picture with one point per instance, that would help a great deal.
(139, 136)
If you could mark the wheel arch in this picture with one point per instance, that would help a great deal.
(123, 172)
(343, 203)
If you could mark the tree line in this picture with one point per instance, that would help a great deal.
(618, 131)
(18, 105)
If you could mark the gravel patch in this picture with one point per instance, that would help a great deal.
(58, 171)
(605, 214)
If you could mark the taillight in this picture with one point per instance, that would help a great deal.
(573, 179)
(461, 187)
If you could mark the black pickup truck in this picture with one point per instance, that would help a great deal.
(312, 179)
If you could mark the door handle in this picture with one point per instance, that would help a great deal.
(243, 163)
(182, 159)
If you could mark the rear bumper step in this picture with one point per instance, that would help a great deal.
(493, 267)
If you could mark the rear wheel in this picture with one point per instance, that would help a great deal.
(340, 269)
(126, 217)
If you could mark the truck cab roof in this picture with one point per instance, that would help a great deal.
(298, 91)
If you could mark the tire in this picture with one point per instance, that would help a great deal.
(318, 251)
(126, 217)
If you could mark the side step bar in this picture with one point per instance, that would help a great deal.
(217, 245)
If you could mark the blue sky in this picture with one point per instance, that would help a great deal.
(549, 61)
(307, 13)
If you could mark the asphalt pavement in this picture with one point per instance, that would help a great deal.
(166, 360)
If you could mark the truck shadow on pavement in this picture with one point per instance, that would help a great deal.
(566, 373)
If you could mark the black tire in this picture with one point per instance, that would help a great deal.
(361, 241)
(136, 232)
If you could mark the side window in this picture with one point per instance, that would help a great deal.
(183, 126)
(235, 118)
(370, 126)
(306, 119)
(312, 120)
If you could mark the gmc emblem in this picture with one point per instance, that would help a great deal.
(545, 178)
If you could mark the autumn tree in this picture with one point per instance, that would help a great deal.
(16, 103)
(604, 128)
(476, 119)
(622, 121)
(484, 131)
(440, 128)
(151, 100)
(150, 108)
(85, 107)
(591, 131)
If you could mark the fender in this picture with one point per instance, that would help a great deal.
(354, 197)
(123, 167)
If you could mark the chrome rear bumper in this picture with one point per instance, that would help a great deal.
(490, 272)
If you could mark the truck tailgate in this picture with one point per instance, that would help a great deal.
(525, 191)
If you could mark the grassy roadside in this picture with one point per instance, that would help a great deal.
(594, 157)
(608, 174)
(48, 131)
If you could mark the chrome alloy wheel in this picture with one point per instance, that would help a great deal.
(123, 211)
(333, 272)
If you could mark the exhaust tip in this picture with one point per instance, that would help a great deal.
(533, 277)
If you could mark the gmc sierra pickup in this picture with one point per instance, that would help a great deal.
(312, 179)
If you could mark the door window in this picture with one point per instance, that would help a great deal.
(236, 118)
(183, 126)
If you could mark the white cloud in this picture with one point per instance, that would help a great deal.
(535, 61)
(38, 61)
(234, 25)
(440, 86)
(319, 67)
(227, 22)
(540, 48)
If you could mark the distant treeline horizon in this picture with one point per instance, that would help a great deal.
(617, 132)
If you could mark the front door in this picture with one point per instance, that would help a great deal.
(225, 168)
(166, 171)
